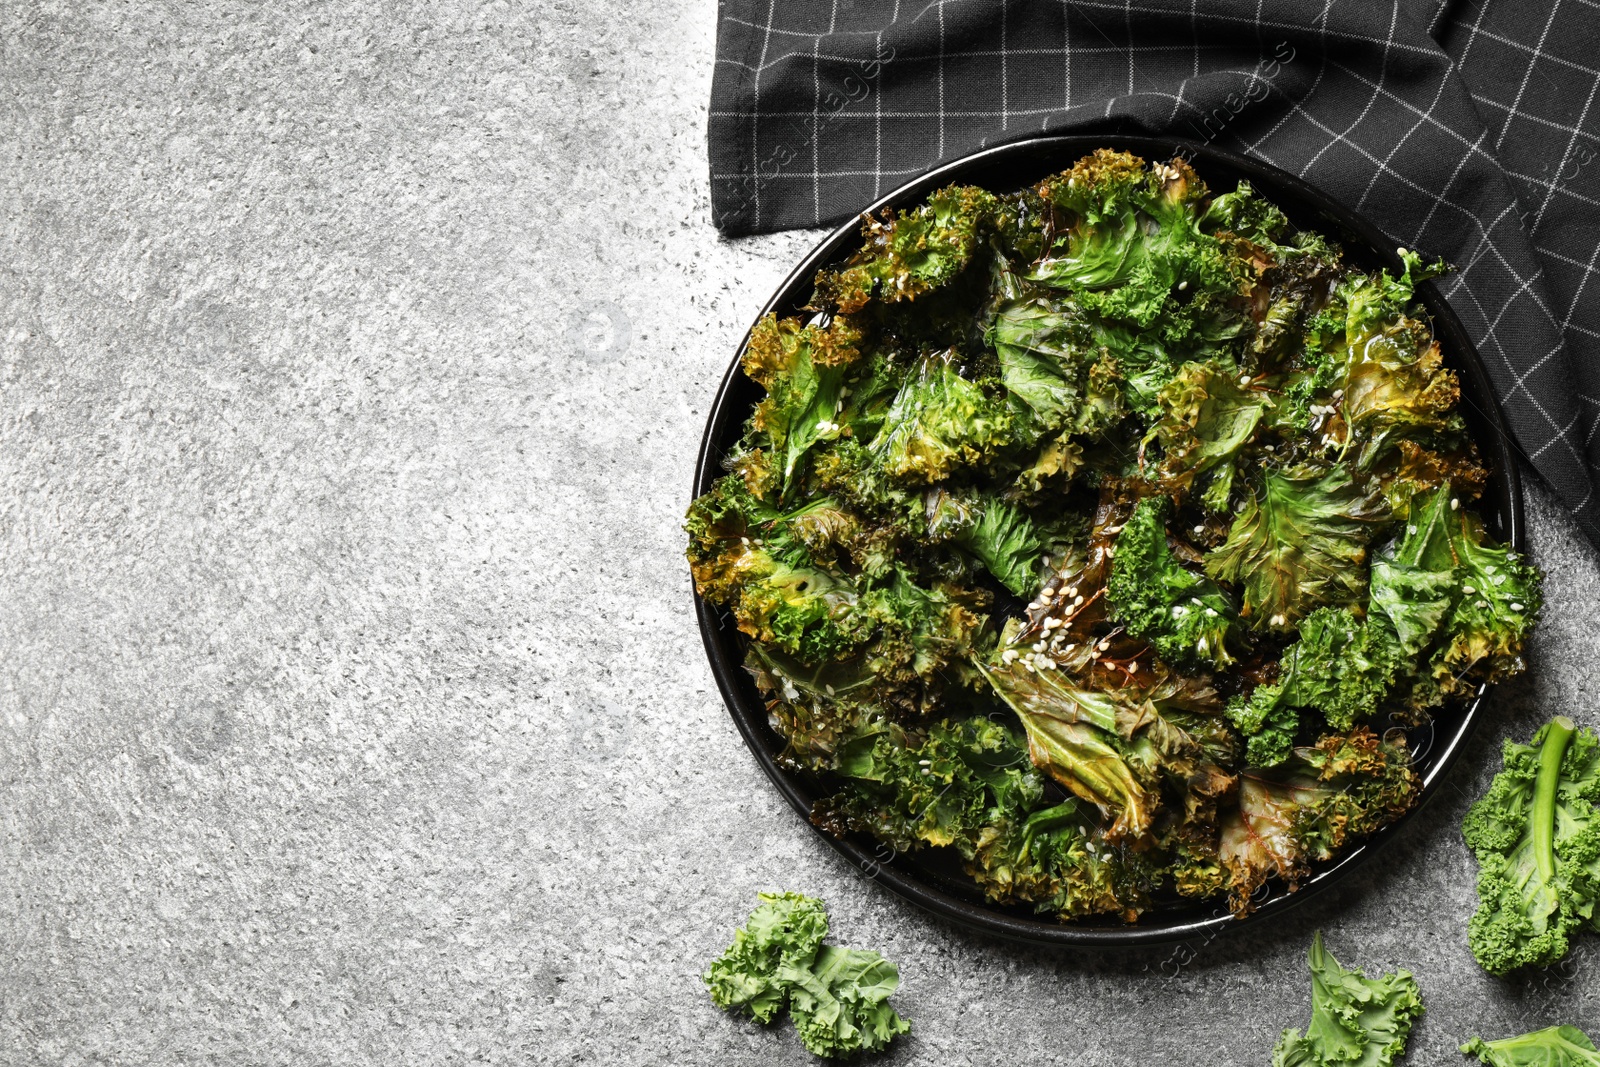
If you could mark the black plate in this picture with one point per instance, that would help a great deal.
(935, 882)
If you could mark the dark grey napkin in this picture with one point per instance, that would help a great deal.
(1469, 132)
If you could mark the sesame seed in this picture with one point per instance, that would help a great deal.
(1199, 530)
(1278, 620)
(1077, 600)
(1469, 590)
(1455, 503)
(1211, 613)
(1103, 645)
(1515, 606)
(1244, 379)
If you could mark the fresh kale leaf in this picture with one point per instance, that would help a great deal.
(837, 997)
(1554, 1046)
(840, 1002)
(1355, 1020)
(1536, 835)
(786, 929)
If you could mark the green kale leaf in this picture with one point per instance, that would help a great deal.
(1299, 543)
(1072, 736)
(1208, 416)
(936, 789)
(1355, 1020)
(838, 998)
(1054, 859)
(1460, 603)
(940, 422)
(1182, 614)
(913, 252)
(1536, 835)
(803, 393)
(840, 1002)
(968, 784)
(745, 556)
(785, 930)
(1007, 543)
(1136, 254)
(1342, 667)
(1044, 353)
(1554, 1046)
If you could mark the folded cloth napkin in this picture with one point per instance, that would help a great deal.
(1469, 131)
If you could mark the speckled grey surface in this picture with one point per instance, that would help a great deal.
(351, 708)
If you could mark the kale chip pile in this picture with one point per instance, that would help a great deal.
(1099, 531)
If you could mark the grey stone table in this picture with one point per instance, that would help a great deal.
(353, 359)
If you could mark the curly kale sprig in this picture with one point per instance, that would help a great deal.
(837, 997)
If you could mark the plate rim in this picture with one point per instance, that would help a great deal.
(750, 717)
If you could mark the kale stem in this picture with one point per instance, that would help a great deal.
(1556, 737)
